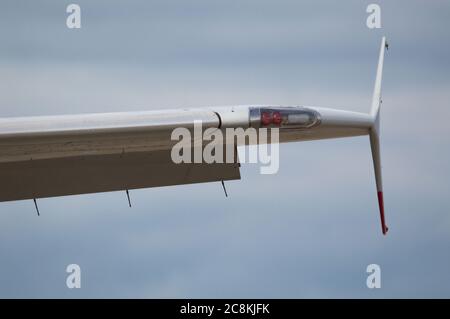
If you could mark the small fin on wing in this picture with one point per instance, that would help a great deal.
(375, 134)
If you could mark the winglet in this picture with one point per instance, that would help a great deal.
(375, 134)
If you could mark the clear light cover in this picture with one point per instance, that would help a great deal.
(284, 117)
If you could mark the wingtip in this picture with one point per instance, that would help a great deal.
(384, 228)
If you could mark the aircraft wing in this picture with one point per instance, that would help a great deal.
(77, 154)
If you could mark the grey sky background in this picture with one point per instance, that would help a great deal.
(308, 231)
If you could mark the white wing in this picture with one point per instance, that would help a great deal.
(66, 155)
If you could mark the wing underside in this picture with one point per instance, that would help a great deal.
(103, 173)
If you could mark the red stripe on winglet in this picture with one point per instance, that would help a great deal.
(384, 228)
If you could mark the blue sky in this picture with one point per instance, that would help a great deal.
(308, 231)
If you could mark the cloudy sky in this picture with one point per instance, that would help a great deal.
(308, 231)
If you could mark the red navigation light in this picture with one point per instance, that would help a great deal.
(266, 118)
(276, 118)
